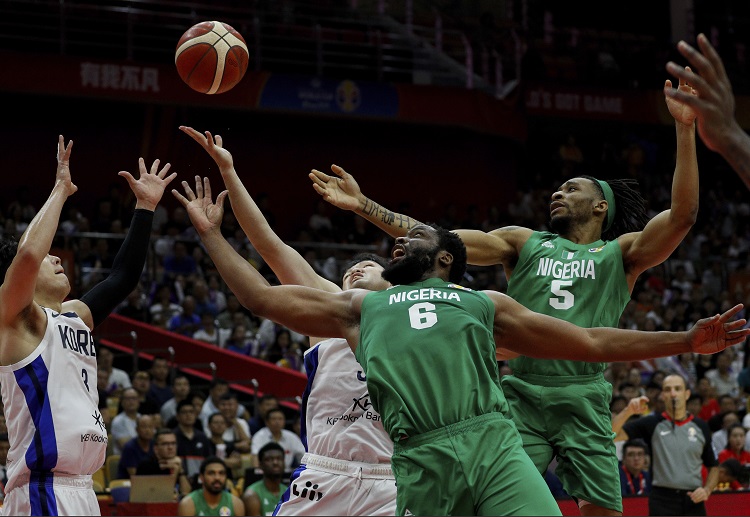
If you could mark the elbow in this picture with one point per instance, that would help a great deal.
(683, 220)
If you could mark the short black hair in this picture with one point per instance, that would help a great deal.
(183, 403)
(452, 243)
(214, 415)
(210, 460)
(229, 395)
(361, 257)
(162, 432)
(217, 382)
(634, 442)
(4, 437)
(270, 446)
(8, 251)
(274, 410)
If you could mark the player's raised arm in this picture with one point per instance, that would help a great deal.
(500, 246)
(536, 335)
(308, 311)
(662, 234)
(342, 191)
(20, 279)
(288, 265)
(127, 266)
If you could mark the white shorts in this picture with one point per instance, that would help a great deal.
(64, 495)
(326, 486)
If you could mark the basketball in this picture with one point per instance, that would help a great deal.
(211, 57)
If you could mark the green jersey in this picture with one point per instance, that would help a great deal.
(583, 284)
(428, 352)
(268, 500)
(224, 508)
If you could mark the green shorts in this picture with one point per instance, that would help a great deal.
(569, 419)
(474, 467)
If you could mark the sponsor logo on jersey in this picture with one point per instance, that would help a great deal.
(93, 437)
(692, 434)
(548, 244)
(597, 250)
(309, 491)
(98, 421)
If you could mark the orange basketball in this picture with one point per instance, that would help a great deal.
(211, 57)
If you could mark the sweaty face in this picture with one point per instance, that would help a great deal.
(572, 204)
(365, 275)
(412, 256)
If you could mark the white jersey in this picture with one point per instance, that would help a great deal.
(347, 469)
(51, 405)
(337, 418)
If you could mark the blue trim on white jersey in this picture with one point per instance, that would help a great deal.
(311, 367)
(287, 493)
(41, 455)
(42, 493)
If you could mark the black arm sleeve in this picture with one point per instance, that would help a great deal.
(126, 270)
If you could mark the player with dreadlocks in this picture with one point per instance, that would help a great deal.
(584, 273)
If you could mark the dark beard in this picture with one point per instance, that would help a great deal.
(211, 490)
(409, 269)
(560, 225)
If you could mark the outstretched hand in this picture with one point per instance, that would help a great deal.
(342, 191)
(214, 146)
(150, 185)
(714, 103)
(63, 165)
(682, 112)
(712, 335)
(203, 212)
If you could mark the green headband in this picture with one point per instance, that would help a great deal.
(609, 197)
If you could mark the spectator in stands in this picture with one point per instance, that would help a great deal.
(227, 318)
(210, 333)
(710, 403)
(134, 306)
(188, 321)
(163, 308)
(694, 404)
(165, 460)
(722, 377)
(216, 390)
(179, 262)
(635, 478)
(275, 432)
(261, 497)
(735, 447)
(142, 384)
(217, 426)
(730, 472)
(266, 402)
(203, 302)
(137, 449)
(192, 445)
(238, 431)
(159, 391)
(124, 423)
(118, 380)
(215, 292)
(212, 498)
(181, 391)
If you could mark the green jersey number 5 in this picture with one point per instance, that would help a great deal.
(565, 299)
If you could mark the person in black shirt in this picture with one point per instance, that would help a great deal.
(166, 461)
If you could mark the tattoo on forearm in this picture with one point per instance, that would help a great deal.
(389, 217)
